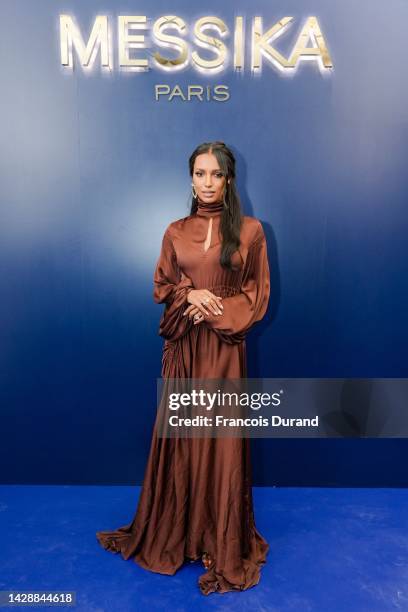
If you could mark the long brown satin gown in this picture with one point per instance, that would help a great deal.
(196, 494)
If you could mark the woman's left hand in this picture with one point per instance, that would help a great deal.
(194, 313)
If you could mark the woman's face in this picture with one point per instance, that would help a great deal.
(208, 179)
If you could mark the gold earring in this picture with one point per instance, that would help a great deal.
(193, 190)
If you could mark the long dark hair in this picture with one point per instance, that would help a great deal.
(231, 216)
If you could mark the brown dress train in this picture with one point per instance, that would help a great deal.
(196, 494)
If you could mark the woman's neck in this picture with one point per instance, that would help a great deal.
(209, 209)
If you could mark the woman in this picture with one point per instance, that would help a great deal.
(213, 277)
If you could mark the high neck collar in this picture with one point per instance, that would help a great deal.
(209, 209)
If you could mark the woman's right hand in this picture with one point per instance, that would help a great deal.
(203, 299)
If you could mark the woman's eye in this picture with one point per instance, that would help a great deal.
(217, 175)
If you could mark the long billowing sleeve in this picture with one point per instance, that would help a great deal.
(243, 310)
(171, 287)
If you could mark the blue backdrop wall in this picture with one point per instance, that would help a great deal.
(93, 169)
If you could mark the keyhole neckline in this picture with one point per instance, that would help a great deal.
(207, 242)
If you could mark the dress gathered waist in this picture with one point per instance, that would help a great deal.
(223, 290)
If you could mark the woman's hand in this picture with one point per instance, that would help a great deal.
(200, 300)
(194, 313)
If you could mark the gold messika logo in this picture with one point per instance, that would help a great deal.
(309, 45)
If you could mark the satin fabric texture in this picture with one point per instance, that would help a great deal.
(196, 495)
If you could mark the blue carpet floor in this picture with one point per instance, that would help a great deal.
(330, 550)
